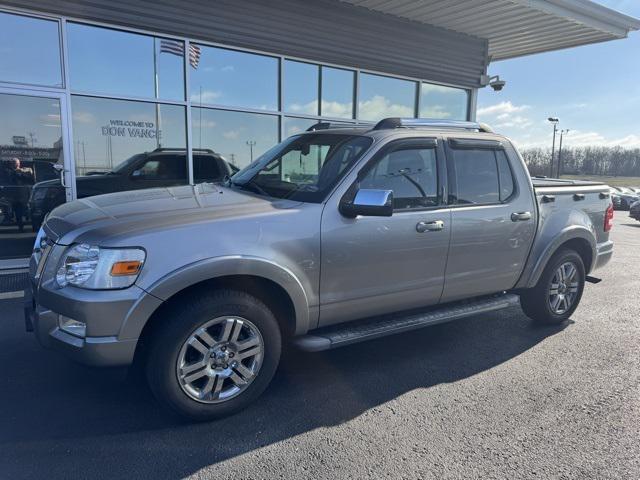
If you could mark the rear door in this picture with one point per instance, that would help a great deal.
(492, 219)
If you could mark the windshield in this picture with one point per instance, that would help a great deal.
(303, 167)
(124, 166)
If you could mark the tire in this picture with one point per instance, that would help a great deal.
(538, 302)
(202, 337)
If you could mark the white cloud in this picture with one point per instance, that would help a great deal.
(310, 108)
(231, 134)
(435, 111)
(228, 68)
(337, 109)
(380, 107)
(83, 117)
(205, 96)
(505, 115)
(501, 109)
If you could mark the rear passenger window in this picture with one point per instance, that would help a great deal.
(476, 176)
(506, 178)
(412, 175)
(482, 176)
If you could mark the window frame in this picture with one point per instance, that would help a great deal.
(408, 143)
(494, 146)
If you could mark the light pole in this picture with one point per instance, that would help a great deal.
(555, 122)
(562, 134)
(251, 143)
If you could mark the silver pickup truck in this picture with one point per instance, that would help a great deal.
(334, 236)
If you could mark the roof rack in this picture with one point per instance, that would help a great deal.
(328, 125)
(172, 149)
(396, 122)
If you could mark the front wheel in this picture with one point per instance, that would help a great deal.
(213, 355)
(559, 290)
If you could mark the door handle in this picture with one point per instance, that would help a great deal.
(60, 169)
(520, 216)
(434, 226)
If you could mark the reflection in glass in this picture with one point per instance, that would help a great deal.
(337, 93)
(229, 77)
(382, 97)
(239, 137)
(438, 101)
(300, 89)
(112, 140)
(293, 126)
(112, 62)
(30, 144)
(30, 50)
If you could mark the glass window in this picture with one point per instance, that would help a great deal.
(300, 87)
(412, 175)
(30, 50)
(228, 77)
(337, 92)
(506, 177)
(437, 101)
(381, 97)
(123, 139)
(112, 62)
(293, 126)
(239, 137)
(476, 176)
(206, 168)
(304, 167)
(30, 145)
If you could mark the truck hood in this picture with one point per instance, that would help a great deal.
(115, 214)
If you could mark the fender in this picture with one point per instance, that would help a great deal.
(210, 268)
(532, 273)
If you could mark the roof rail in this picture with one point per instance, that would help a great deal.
(328, 125)
(396, 122)
(182, 149)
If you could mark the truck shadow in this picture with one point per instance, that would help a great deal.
(62, 411)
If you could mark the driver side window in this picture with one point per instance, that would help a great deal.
(411, 173)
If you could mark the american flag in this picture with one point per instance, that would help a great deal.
(176, 47)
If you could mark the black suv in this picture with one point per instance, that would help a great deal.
(163, 167)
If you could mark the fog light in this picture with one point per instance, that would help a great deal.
(74, 327)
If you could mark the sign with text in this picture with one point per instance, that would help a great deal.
(131, 129)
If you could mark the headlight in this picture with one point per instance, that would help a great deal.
(92, 267)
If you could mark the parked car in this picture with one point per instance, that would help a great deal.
(159, 168)
(335, 236)
(634, 210)
(623, 197)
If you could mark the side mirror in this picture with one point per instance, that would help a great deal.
(369, 203)
(137, 174)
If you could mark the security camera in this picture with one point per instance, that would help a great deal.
(494, 82)
(497, 84)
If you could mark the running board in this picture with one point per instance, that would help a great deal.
(353, 332)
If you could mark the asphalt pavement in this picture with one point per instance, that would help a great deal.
(485, 397)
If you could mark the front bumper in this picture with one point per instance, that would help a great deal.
(104, 312)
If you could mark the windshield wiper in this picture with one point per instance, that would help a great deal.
(251, 186)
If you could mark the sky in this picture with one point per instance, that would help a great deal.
(594, 90)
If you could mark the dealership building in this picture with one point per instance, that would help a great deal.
(87, 85)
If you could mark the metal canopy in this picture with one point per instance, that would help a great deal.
(515, 28)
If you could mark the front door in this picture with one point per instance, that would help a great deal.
(33, 149)
(376, 265)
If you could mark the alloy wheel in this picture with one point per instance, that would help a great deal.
(220, 359)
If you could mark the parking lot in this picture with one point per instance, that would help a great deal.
(486, 397)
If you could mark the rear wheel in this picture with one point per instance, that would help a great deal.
(559, 290)
(214, 355)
